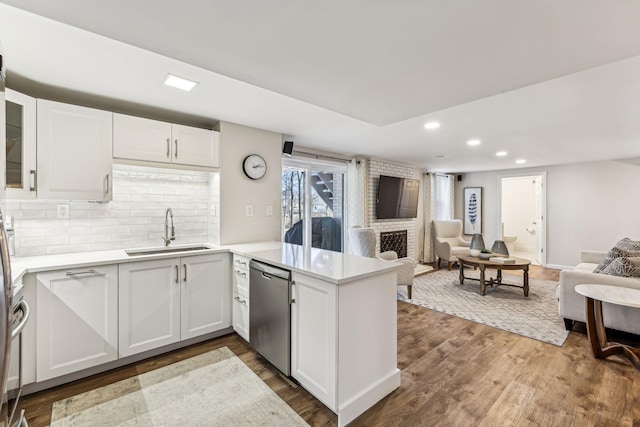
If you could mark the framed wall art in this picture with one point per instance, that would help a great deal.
(472, 210)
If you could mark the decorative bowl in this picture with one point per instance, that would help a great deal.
(485, 256)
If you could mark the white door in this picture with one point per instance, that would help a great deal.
(205, 298)
(313, 337)
(195, 146)
(74, 152)
(137, 138)
(149, 305)
(76, 320)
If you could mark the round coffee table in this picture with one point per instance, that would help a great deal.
(595, 296)
(483, 264)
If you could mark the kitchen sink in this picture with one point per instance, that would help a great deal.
(165, 250)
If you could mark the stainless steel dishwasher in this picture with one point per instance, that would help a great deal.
(270, 314)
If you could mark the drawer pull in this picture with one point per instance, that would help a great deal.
(77, 273)
(241, 301)
(240, 273)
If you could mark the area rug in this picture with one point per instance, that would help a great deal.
(212, 389)
(502, 307)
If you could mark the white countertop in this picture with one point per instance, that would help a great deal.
(612, 294)
(326, 265)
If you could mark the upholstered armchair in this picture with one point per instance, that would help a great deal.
(447, 235)
(363, 243)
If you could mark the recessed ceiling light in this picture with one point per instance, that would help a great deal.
(432, 125)
(179, 82)
(501, 153)
(473, 142)
(521, 161)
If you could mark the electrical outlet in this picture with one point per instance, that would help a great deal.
(269, 210)
(249, 210)
(63, 211)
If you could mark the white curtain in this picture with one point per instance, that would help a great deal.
(438, 196)
(357, 189)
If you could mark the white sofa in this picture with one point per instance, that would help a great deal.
(572, 305)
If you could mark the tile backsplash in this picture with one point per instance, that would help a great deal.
(135, 217)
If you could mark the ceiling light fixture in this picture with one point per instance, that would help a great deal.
(521, 161)
(473, 142)
(501, 153)
(179, 82)
(432, 125)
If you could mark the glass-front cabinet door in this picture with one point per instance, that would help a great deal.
(21, 145)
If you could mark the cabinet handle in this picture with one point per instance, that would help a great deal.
(33, 178)
(240, 273)
(25, 317)
(168, 147)
(241, 263)
(176, 153)
(108, 182)
(177, 275)
(292, 300)
(185, 272)
(77, 273)
(241, 301)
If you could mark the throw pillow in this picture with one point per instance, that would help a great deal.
(614, 253)
(624, 267)
(627, 244)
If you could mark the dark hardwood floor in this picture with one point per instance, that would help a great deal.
(454, 373)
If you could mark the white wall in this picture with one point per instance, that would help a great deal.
(237, 191)
(589, 206)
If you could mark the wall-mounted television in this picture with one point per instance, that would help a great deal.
(397, 197)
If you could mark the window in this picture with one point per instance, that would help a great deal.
(313, 190)
(443, 197)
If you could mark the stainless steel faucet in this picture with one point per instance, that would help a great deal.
(167, 238)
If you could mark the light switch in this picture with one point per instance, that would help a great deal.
(269, 210)
(249, 210)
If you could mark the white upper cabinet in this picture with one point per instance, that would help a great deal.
(21, 145)
(74, 152)
(136, 138)
(141, 139)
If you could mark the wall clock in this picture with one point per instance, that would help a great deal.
(254, 166)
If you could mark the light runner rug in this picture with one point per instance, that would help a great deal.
(502, 307)
(212, 389)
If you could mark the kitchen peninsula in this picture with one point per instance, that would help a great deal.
(343, 315)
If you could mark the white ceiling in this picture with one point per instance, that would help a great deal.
(551, 82)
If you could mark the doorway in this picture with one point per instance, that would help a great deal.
(522, 215)
(313, 190)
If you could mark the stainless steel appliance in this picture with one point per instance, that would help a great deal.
(14, 313)
(270, 314)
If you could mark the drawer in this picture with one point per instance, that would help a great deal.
(240, 261)
(240, 315)
(241, 281)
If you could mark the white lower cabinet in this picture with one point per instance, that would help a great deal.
(240, 303)
(205, 295)
(149, 305)
(314, 337)
(165, 301)
(76, 320)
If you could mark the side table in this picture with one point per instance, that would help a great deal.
(595, 296)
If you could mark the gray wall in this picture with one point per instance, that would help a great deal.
(237, 191)
(589, 206)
